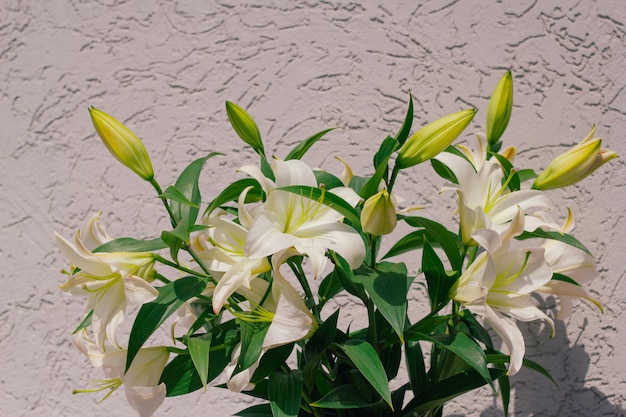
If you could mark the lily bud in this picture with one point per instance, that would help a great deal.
(575, 164)
(245, 126)
(378, 216)
(433, 138)
(500, 106)
(122, 143)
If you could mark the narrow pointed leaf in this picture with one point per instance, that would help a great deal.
(405, 130)
(412, 241)
(444, 238)
(86, 322)
(151, 315)
(364, 357)
(415, 365)
(232, 192)
(328, 199)
(174, 194)
(259, 410)
(343, 397)
(302, 147)
(387, 287)
(381, 160)
(187, 184)
(440, 392)
(128, 244)
(199, 351)
(501, 358)
(252, 336)
(565, 238)
(285, 393)
(439, 283)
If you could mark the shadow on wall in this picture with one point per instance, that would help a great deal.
(568, 363)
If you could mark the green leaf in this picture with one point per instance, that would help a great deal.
(232, 192)
(425, 326)
(302, 147)
(444, 238)
(272, 361)
(343, 397)
(323, 337)
(415, 365)
(442, 391)
(285, 392)
(187, 184)
(405, 130)
(329, 287)
(564, 278)
(153, 314)
(86, 322)
(439, 282)
(381, 160)
(364, 357)
(510, 178)
(502, 358)
(387, 287)
(199, 351)
(526, 174)
(346, 276)
(327, 180)
(128, 244)
(180, 375)
(465, 348)
(252, 336)
(174, 194)
(245, 127)
(327, 198)
(443, 171)
(259, 410)
(412, 241)
(565, 238)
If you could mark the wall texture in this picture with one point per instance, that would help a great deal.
(165, 68)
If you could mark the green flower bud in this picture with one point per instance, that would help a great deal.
(575, 164)
(500, 107)
(245, 126)
(433, 138)
(122, 143)
(378, 216)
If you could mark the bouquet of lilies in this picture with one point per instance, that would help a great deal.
(232, 275)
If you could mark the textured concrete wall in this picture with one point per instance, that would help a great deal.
(166, 67)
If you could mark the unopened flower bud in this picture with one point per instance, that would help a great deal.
(500, 106)
(245, 126)
(122, 143)
(378, 216)
(433, 138)
(575, 164)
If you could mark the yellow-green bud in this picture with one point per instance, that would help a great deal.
(433, 138)
(245, 126)
(575, 164)
(122, 143)
(378, 216)
(500, 106)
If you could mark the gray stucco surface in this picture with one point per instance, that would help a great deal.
(165, 69)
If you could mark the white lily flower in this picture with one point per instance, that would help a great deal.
(575, 264)
(112, 281)
(141, 382)
(498, 284)
(294, 221)
(290, 318)
(484, 201)
(221, 247)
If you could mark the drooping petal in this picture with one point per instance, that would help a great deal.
(511, 336)
(145, 400)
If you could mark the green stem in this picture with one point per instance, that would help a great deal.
(394, 175)
(304, 283)
(372, 333)
(159, 191)
(164, 261)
